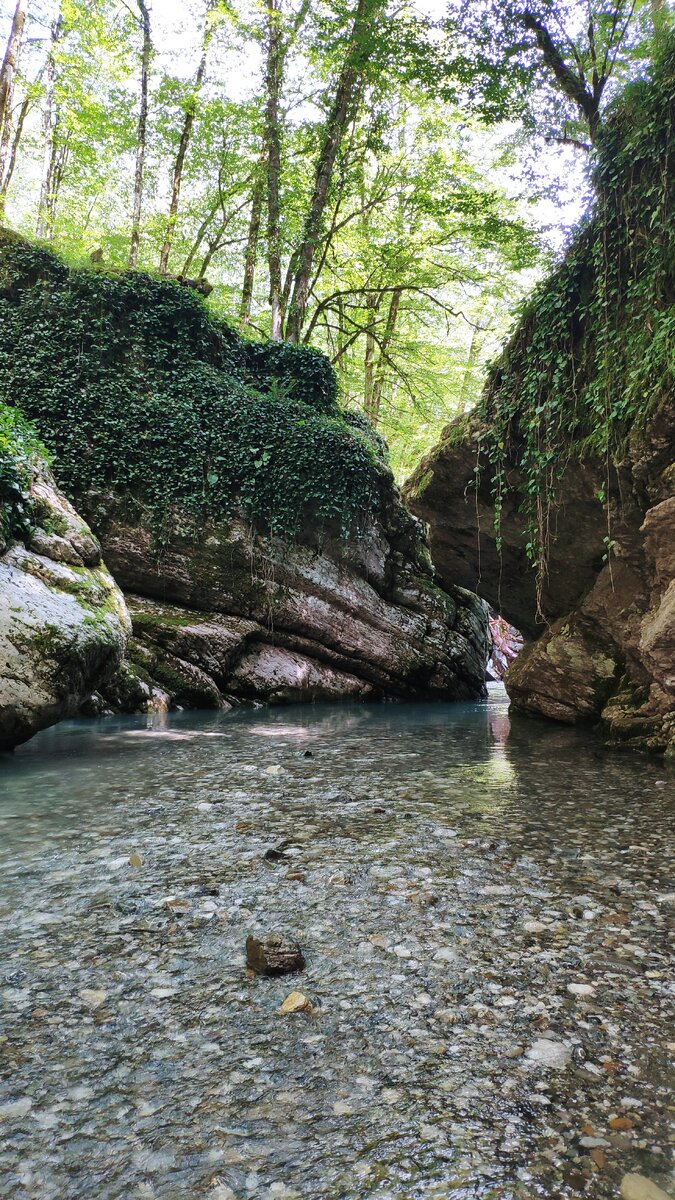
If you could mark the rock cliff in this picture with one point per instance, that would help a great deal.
(555, 500)
(225, 614)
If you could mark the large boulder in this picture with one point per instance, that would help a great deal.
(255, 527)
(63, 620)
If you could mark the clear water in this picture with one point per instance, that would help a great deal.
(450, 877)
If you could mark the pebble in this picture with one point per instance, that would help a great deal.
(638, 1187)
(548, 1053)
(296, 1002)
(92, 997)
(273, 954)
(581, 989)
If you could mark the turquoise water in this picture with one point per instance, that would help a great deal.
(483, 906)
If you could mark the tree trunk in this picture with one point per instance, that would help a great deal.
(273, 77)
(369, 359)
(8, 69)
(50, 125)
(385, 343)
(662, 17)
(186, 133)
(141, 136)
(6, 171)
(569, 81)
(251, 252)
(336, 125)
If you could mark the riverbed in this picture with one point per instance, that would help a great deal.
(483, 905)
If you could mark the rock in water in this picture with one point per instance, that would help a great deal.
(310, 541)
(638, 1187)
(548, 1053)
(273, 954)
(296, 1002)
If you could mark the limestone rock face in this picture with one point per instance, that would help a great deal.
(63, 621)
(225, 616)
(602, 647)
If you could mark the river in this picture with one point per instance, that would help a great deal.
(483, 905)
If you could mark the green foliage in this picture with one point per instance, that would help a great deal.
(594, 355)
(135, 387)
(19, 450)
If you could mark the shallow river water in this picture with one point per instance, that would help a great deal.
(484, 910)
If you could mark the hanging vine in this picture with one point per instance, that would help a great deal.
(593, 357)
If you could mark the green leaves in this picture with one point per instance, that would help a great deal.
(19, 451)
(137, 389)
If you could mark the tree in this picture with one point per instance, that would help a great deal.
(190, 109)
(141, 135)
(55, 149)
(8, 69)
(550, 63)
(341, 111)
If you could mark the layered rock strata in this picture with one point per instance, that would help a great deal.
(223, 615)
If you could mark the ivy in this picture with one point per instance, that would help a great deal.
(19, 451)
(593, 356)
(135, 387)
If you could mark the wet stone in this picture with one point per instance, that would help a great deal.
(273, 954)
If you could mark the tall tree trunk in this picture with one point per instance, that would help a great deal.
(190, 110)
(50, 124)
(9, 62)
(199, 237)
(273, 78)
(336, 125)
(141, 134)
(251, 252)
(369, 357)
(385, 345)
(7, 168)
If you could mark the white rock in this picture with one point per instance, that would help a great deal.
(548, 1053)
(445, 954)
(638, 1187)
(63, 621)
(92, 997)
(581, 989)
(15, 1108)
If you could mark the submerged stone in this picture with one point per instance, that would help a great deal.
(273, 954)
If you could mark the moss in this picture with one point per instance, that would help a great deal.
(144, 621)
(421, 485)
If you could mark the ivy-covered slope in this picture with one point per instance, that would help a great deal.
(555, 499)
(255, 528)
(134, 386)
